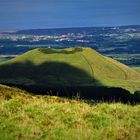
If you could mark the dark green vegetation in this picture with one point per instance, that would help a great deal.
(28, 117)
(68, 72)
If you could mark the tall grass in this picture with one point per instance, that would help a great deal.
(28, 117)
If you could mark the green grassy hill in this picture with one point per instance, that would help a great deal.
(68, 67)
(24, 116)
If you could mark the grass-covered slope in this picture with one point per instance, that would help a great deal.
(137, 69)
(68, 67)
(27, 117)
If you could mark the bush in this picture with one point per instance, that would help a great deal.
(137, 95)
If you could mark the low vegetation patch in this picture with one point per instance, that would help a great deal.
(60, 51)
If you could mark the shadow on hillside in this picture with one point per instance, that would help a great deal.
(60, 79)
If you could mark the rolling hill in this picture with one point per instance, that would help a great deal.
(71, 67)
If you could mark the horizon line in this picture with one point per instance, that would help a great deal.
(99, 26)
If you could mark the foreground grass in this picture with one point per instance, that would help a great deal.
(27, 117)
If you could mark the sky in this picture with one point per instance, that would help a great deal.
(38, 14)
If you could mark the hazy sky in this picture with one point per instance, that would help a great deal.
(25, 14)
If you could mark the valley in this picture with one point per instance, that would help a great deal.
(121, 43)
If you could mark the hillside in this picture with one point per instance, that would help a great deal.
(26, 116)
(70, 67)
